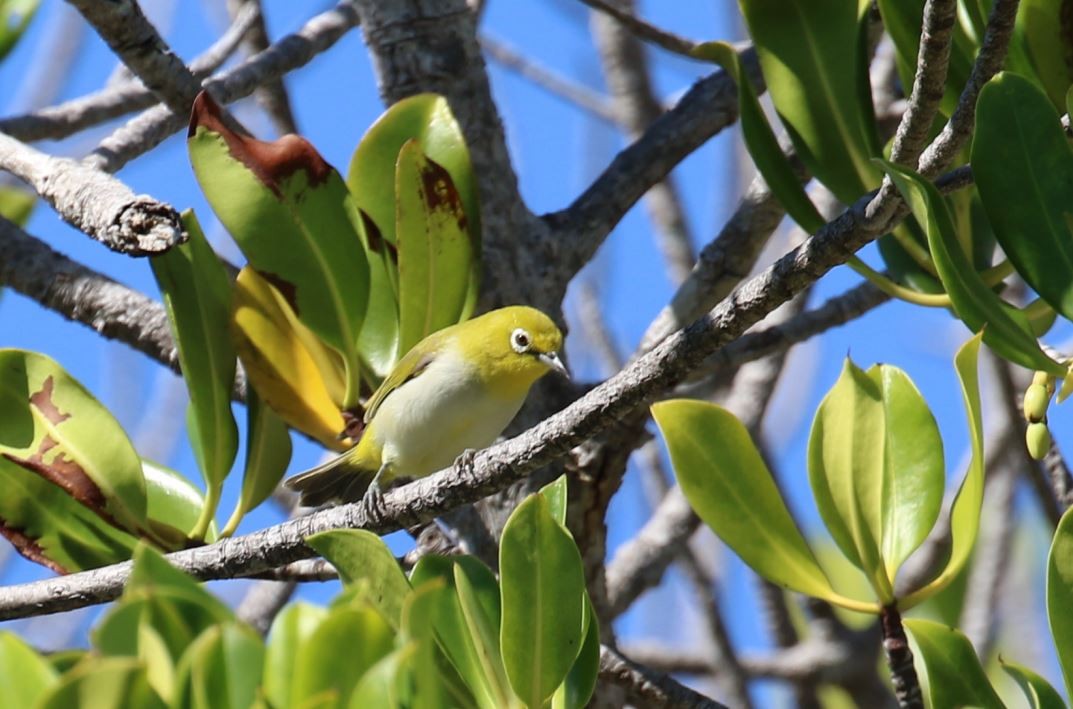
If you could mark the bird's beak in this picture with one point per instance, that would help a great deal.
(552, 360)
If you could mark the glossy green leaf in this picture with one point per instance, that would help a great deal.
(16, 204)
(1038, 692)
(1060, 595)
(1006, 329)
(53, 427)
(1023, 167)
(427, 119)
(436, 682)
(25, 676)
(157, 660)
(174, 505)
(542, 584)
(483, 624)
(300, 384)
(727, 483)
(811, 57)
(556, 494)
(876, 469)
(580, 683)
(449, 622)
(197, 294)
(435, 252)
(103, 683)
(220, 670)
(965, 510)
(49, 527)
(295, 221)
(759, 137)
(361, 557)
(268, 451)
(1049, 44)
(287, 639)
(955, 676)
(15, 17)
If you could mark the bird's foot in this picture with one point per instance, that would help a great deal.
(465, 460)
(373, 502)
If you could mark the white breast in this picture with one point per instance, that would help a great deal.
(425, 424)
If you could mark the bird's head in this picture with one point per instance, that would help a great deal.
(516, 344)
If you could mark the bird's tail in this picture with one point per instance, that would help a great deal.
(338, 479)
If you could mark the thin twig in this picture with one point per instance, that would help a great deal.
(72, 116)
(900, 660)
(645, 30)
(273, 94)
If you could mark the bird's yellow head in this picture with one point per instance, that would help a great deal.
(515, 345)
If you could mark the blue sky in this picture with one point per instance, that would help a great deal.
(557, 149)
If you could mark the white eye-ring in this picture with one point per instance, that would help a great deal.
(519, 341)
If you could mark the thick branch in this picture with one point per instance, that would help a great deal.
(649, 688)
(97, 203)
(78, 293)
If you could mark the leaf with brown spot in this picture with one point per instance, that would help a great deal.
(59, 431)
(435, 252)
(293, 217)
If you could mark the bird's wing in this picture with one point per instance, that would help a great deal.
(410, 366)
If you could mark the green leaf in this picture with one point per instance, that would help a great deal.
(321, 667)
(53, 427)
(361, 557)
(483, 624)
(1006, 329)
(1049, 45)
(385, 684)
(16, 204)
(157, 659)
(25, 676)
(876, 469)
(287, 640)
(1060, 594)
(727, 483)
(450, 625)
(1023, 167)
(435, 252)
(295, 221)
(426, 118)
(576, 690)
(103, 683)
(955, 676)
(1038, 692)
(171, 602)
(197, 295)
(965, 510)
(436, 682)
(542, 584)
(174, 506)
(220, 670)
(556, 493)
(763, 146)
(811, 57)
(268, 451)
(15, 17)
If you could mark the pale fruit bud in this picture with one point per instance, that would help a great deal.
(1038, 440)
(1035, 403)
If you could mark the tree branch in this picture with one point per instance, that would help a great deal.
(646, 687)
(86, 111)
(645, 30)
(94, 202)
(150, 128)
(273, 94)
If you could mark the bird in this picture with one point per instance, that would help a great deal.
(454, 392)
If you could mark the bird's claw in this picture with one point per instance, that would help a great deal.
(373, 502)
(466, 458)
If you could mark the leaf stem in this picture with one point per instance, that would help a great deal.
(930, 300)
(900, 659)
(208, 512)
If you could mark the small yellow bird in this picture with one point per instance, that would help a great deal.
(456, 390)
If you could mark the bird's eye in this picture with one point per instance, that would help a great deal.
(519, 341)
